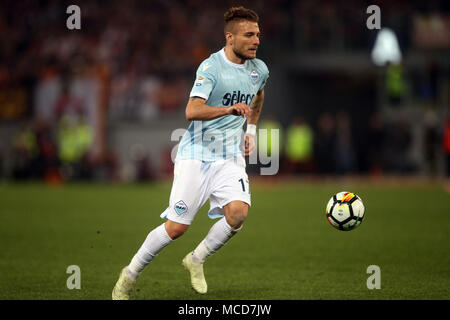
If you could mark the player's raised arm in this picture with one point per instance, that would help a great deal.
(197, 109)
(256, 107)
(252, 121)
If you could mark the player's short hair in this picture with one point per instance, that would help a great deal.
(236, 14)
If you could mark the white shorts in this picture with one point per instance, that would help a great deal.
(195, 181)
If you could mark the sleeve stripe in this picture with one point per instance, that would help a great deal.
(198, 94)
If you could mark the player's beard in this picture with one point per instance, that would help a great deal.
(240, 55)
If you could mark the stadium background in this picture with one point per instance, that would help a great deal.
(98, 105)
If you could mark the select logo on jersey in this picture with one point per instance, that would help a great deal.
(180, 207)
(230, 99)
(254, 76)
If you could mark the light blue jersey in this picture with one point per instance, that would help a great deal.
(222, 83)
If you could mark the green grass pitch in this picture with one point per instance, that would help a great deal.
(286, 249)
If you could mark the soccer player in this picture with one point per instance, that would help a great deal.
(228, 90)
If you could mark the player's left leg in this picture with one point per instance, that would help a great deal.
(220, 233)
(235, 214)
(230, 198)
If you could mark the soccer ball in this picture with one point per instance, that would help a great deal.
(345, 211)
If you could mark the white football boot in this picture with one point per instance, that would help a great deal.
(123, 287)
(198, 281)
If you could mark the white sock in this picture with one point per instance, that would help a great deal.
(156, 240)
(216, 238)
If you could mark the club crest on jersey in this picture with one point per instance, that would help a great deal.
(254, 76)
(180, 207)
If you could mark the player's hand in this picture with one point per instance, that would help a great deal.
(249, 144)
(240, 109)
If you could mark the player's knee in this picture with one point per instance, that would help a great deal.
(237, 216)
(175, 230)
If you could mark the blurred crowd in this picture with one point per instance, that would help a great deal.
(147, 51)
(331, 145)
(135, 61)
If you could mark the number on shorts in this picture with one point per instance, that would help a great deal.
(243, 185)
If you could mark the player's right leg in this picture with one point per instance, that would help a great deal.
(195, 268)
(187, 196)
(156, 240)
